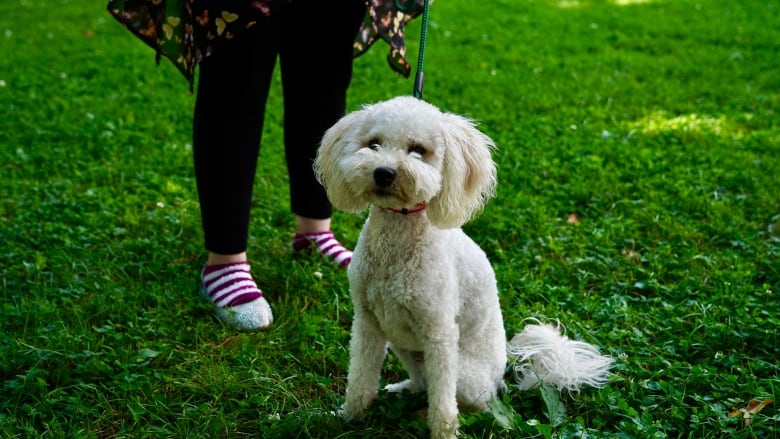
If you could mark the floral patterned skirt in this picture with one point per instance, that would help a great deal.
(187, 31)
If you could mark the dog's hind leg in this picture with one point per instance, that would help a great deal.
(368, 348)
(413, 362)
(479, 380)
(482, 363)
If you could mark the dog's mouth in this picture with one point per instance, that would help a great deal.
(385, 197)
(383, 192)
(388, 198)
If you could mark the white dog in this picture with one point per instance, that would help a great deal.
(419, 285)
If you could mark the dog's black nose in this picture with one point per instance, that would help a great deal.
(384, 176)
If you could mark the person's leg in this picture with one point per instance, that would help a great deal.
(233, 86)
(315, 79)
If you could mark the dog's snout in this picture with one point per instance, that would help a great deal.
(384, 176)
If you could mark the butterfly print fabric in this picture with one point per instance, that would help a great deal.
(187, 31)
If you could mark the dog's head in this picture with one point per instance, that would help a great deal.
(402, 152)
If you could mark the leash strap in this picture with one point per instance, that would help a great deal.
(419, 76)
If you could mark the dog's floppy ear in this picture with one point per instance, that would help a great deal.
(327, 165)
(468, 175)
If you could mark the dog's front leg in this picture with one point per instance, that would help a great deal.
(441, 367)
(367, 351)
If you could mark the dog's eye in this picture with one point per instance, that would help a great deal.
(373, 144)
(415, 148)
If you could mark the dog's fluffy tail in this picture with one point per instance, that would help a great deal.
(542, 353)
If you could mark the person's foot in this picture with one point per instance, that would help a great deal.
(326, 244)
(236, 298)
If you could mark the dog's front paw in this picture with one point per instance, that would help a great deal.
(408, 385)
(350, 414)
(443, 430)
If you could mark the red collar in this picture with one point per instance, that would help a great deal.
(419, 207)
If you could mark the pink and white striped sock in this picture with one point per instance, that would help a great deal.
(235, 295)
(326, 244)
(230, 284)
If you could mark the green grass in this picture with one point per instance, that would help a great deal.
(639, 202)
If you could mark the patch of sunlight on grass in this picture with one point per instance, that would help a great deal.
(660, 122)
(568, 4)
(631, 2)
(571, 4)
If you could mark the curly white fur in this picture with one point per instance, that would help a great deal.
(419, 285)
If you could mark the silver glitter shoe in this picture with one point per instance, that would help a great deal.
(251, 316)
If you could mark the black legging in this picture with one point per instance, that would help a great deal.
(313, 40)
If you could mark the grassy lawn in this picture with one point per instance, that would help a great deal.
(638, 202)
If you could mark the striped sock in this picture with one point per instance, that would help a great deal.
(235, 295)
(229, 285)
(326, 244)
